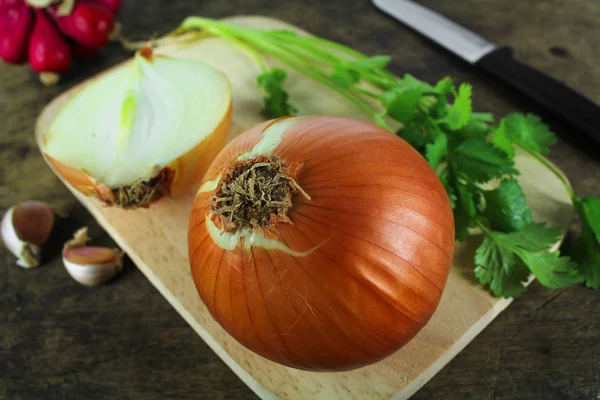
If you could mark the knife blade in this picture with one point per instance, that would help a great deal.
(549, 93)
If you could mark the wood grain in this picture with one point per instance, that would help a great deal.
(155, 239)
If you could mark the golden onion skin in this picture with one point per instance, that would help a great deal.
(378, 237)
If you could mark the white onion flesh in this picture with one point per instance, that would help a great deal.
(139, 118)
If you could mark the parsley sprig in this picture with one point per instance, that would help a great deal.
(467, 149)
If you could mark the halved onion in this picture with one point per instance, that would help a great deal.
(321, 243)
(143, 131)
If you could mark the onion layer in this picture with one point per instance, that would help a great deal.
(321, 243)
(141, 132)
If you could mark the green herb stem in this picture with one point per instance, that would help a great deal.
(556, 172)
(310, 50)
(260, 59)
(301, 66)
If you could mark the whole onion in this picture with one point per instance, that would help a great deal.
(321, 243)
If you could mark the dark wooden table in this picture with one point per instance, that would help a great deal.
(59, 340)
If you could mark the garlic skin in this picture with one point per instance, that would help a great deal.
(90, 266)
(25, 228)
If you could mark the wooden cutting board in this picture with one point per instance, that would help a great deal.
(155, 239)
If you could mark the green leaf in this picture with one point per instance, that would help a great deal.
(401, 103)
(412, 132)
(586, 248)
(410, 81)
(271, 81)
(466, 198)
(479, 161)
(276, 101)
(444, 178)
(436, 151)
(496, 267)
(464, 210)
(445, 86)
(505, 259)
(591, 215)
(371, 63)
(477, 126)
(440, 108)
(277, 105)
(506, 208)
(502, 141)
(348, 74)
(529, 132)
(483, 117)
(534, 237)
(345, 78)
(460, 112)
(550, 269)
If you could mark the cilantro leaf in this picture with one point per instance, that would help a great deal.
(531, 245)
(506, 208)
(496, 266)
(436, 151)
(371, 63)
(586, 248)
(445, 86)
(460, 112)
(348, 74)
(591, 210)
(529, 132)
(482, 117)
(271, 81)
(464, 210)
(535, 237)
(477, 126)
(276, 101)
(444, 178)
(480, 161)
(413, 133)
(401, 102)
(344, 77)
(505, 259)
(440, 108)
(410, 81)
(550, 269)
(502, 141)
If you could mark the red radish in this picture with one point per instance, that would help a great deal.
(6, 4)
(89, 23)
(112, 5)
(16, 21)
(49, 54)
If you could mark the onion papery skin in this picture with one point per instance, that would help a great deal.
(377, 238)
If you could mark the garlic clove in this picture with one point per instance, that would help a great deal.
(90, 266)
(25, 228)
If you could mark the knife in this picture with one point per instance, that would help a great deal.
(498, 61)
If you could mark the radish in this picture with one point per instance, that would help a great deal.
(89, 23)
(7, 4)
(112, 5)
(49, 54)
(16, 21)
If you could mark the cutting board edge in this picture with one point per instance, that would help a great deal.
(246, 377)
(456, 348)
(256, 387)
